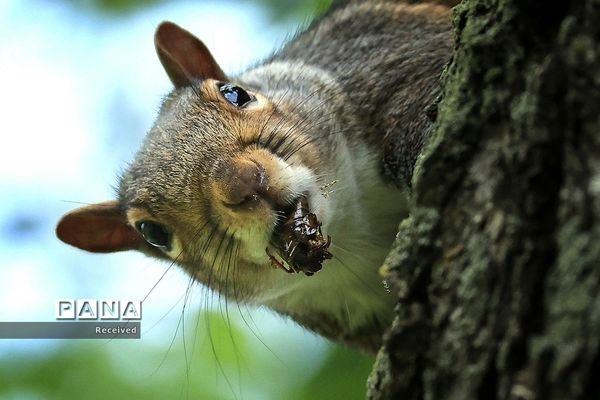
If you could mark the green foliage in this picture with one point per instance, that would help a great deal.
(221, 360)
(114, 6)
(300, 9)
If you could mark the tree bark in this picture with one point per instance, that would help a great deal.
(498, 267)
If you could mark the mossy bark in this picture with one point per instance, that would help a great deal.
(498, 267)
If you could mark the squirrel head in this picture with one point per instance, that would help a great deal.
(212, 180)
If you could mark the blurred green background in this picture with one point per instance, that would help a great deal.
(80, 86)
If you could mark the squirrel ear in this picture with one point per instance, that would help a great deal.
(185, 58)
(99, 228)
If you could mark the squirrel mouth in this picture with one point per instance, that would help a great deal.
(298, 240)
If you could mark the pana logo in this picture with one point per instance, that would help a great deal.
(91, 309)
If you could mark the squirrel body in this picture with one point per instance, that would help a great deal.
(338, 116)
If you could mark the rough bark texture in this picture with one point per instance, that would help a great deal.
(498, 268)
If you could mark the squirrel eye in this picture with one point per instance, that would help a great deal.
(155, 234)
(235, 95)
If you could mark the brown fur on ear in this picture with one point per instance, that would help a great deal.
(185, 58)
(99, 228)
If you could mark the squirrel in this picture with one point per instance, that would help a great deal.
(338, 116)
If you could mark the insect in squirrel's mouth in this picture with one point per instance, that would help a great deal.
(298, 240)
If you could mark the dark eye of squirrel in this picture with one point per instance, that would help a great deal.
(155, 234)
(235, 95)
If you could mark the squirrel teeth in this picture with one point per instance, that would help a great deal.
(300, 242)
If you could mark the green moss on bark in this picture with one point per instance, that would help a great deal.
(498, 267)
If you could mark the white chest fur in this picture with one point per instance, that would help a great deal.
(361, 214)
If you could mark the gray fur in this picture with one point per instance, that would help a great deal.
(388, 67)
(350, 94)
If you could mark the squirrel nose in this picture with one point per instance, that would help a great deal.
(248, 183)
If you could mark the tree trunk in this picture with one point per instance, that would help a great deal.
(498, 268)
